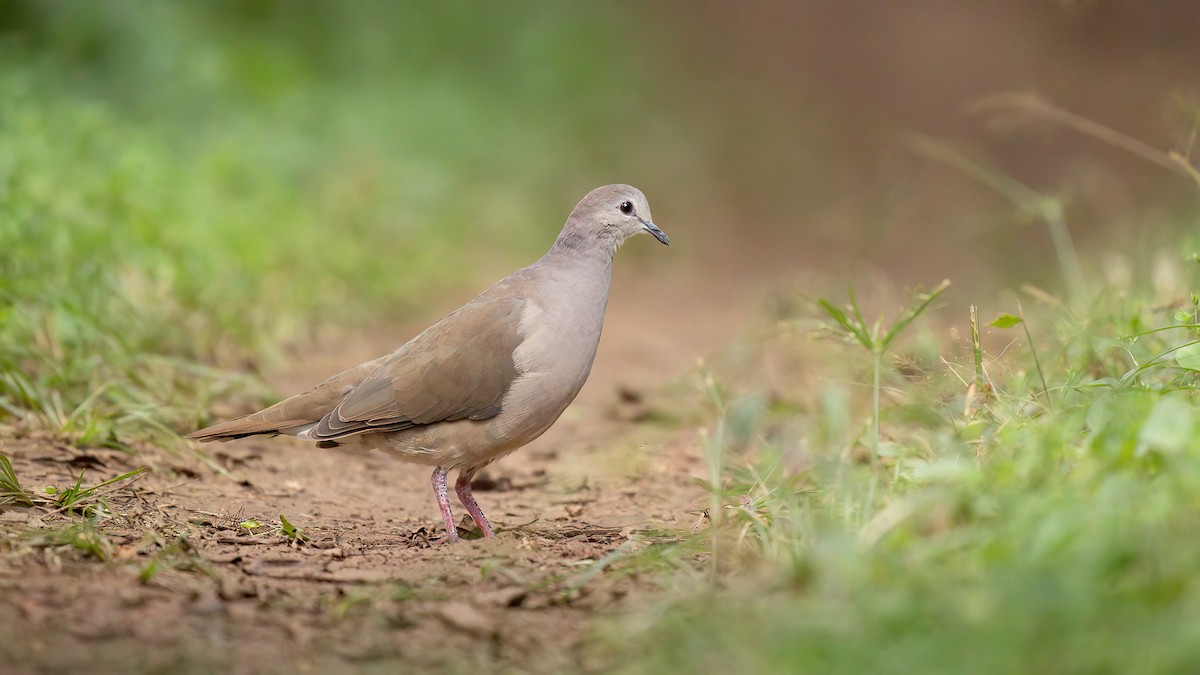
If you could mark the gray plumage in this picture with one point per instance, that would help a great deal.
(487, 378)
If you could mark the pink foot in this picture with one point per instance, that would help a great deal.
(463, 488)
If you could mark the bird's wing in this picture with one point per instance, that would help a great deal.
(459, 368)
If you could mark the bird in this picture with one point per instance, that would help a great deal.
(484, 380)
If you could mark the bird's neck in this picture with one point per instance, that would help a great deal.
(574, 246)
(586, 268)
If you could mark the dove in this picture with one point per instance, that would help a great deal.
(484, 380)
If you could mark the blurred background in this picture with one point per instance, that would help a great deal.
(200, 183)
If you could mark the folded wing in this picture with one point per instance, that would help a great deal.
(460, 368)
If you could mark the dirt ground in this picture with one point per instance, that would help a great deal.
(189, 588)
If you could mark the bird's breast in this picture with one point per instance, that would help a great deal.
(559, 344)
(553, 361)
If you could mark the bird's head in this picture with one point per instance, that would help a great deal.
(610, 215)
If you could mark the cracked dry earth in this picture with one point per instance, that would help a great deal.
(189, 588)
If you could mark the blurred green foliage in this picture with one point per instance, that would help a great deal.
(1015, 529)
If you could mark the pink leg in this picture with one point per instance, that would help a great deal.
(463, 488)
(439, 490)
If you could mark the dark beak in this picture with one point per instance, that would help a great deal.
(658, 234)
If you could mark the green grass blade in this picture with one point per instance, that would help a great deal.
(840, 317)
(918, 306)
(11, 491)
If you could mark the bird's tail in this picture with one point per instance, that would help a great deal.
(250, 425)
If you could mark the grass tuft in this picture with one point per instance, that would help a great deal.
(876, 341)
(11, 491)
(72, 499)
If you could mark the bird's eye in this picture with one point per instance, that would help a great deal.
(626, 208)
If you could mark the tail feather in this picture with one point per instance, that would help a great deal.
(247, 426)
(294, 415)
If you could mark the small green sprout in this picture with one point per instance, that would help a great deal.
(293, 534)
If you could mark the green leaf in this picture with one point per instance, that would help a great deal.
(1006, 321)
(290, 531)
(1169, 428)
(1189, 356)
